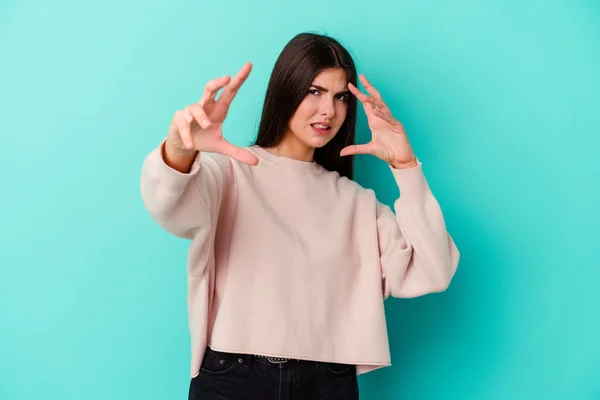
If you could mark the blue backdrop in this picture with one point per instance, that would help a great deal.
(500, 99)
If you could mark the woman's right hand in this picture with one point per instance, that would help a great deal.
(198, 127)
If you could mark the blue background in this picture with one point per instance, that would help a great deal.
(499, 98)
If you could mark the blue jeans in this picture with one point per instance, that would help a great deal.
(229, 376)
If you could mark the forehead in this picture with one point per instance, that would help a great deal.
(334, 78)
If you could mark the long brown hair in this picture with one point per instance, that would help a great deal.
(300, 61)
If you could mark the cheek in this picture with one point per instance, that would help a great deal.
(308, 108)
(300, 116)
(341, 112)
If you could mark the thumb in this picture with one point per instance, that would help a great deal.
(356, 149)
(241, 155)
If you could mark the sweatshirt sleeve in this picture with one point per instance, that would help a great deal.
(183, 203)
(418, 256)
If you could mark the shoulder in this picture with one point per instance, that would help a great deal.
(216, 164)
(347, 186)
(365, 196)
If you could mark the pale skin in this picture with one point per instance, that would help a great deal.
(389, 141)
(325, 101)
(198, 127)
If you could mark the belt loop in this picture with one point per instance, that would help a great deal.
(248, 359)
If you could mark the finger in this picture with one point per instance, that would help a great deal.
(369, 87)
(384, 116)
(198, 113)
(367, 107)
(236, 82)
(183, 126)
(377, 103)
(228, 149)
(359, 95)
(357, 149)
(211, 89)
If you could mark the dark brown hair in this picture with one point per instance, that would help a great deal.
(300, 61)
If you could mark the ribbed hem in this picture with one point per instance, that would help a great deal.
(174, 181)
(412, 183)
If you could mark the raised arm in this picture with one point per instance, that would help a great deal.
(417, 254)
(182, 179)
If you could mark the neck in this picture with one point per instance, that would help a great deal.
(291, 147)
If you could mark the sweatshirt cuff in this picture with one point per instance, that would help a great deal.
(412, 183)
(174, 180)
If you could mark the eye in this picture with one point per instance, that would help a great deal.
(343, 97)
(314, 92)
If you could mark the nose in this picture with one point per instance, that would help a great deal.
(327, 107)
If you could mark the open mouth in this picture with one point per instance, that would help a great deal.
(321, 129)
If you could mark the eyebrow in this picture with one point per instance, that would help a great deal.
(322, 89)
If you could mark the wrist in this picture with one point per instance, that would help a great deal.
(178, 159)
(404, 165)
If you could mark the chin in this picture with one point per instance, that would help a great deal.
(319, 141)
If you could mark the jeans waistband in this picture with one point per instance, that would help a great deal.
(258, 357)
(275, 360)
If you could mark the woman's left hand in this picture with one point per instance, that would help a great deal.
(389, 140)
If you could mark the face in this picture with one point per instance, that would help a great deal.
(323, 111)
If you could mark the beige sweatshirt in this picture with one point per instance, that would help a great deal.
(287, 259)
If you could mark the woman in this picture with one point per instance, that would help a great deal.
(290, 259)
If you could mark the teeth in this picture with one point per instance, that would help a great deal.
(320, 126)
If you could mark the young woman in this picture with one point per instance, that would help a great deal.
(290, 260)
